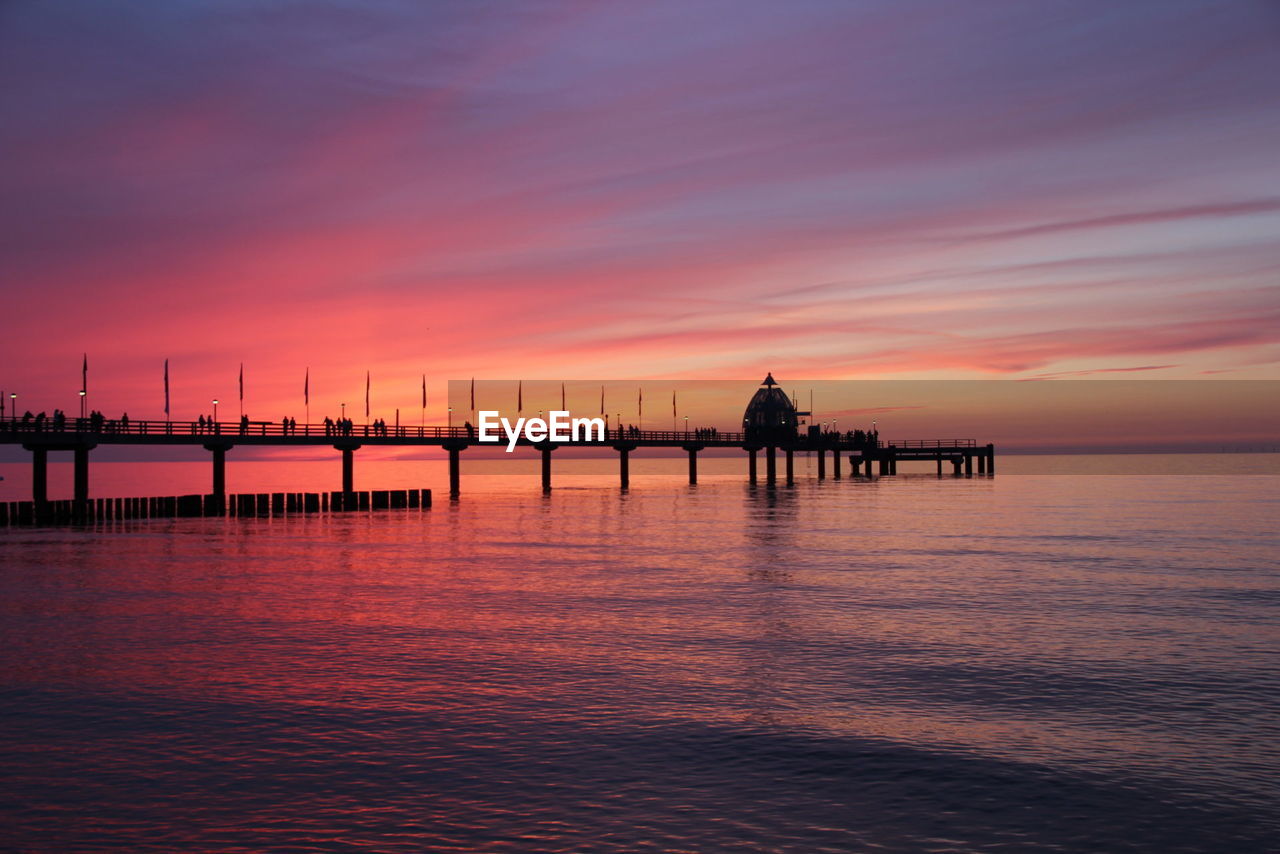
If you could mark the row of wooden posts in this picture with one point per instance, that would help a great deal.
(178, 506)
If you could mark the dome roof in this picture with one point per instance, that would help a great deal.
(770, 413)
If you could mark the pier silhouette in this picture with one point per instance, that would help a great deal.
(771, 425)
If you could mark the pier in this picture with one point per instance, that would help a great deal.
(962, 456)
(771, 424)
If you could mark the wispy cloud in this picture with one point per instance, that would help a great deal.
(685, 189)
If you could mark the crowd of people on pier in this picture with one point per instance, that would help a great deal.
(856, 438)
(346, 427)
(39, 422)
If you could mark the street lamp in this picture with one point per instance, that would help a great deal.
(450, 417)
(344, 412)
(14, 398)
(82, 403)
(215, 411)
(686, 426)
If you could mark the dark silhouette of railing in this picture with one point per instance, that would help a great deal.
(931, 443)
(86, 427)
(232, 429)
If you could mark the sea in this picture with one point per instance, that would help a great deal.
(1075, 655)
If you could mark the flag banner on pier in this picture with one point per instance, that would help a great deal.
(424, 391)
(368, 381)
(473, 394)
(242, 382)
(306, 388)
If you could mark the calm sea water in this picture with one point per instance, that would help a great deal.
(1024, 663)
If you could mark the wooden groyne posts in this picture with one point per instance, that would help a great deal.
(260, 504)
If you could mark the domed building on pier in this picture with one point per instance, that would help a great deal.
(771, 416)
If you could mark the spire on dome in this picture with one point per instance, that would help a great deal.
(769, 381)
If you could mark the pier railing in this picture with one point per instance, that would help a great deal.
(12, 430)
(339, 430)
(931, 443)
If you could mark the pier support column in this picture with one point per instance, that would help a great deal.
(867, 465)
(455, 447)
(219, 451)
(791, 472)
(348, 466)
(771, 465)
(822, 463)
(81, 492)
(955, 466)
(893, 463)
(624, 464)
(693, 462)
(751, 465)
(968, 465)
(546, 465)
(835, 464)
(39, 475)
(939, 465)
(991, 459)
(982, 463)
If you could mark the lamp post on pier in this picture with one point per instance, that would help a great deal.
(215, 414)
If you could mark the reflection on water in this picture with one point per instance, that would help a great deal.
(481, 473)
(1026, 663)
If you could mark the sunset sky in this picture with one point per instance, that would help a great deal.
(838, 190)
